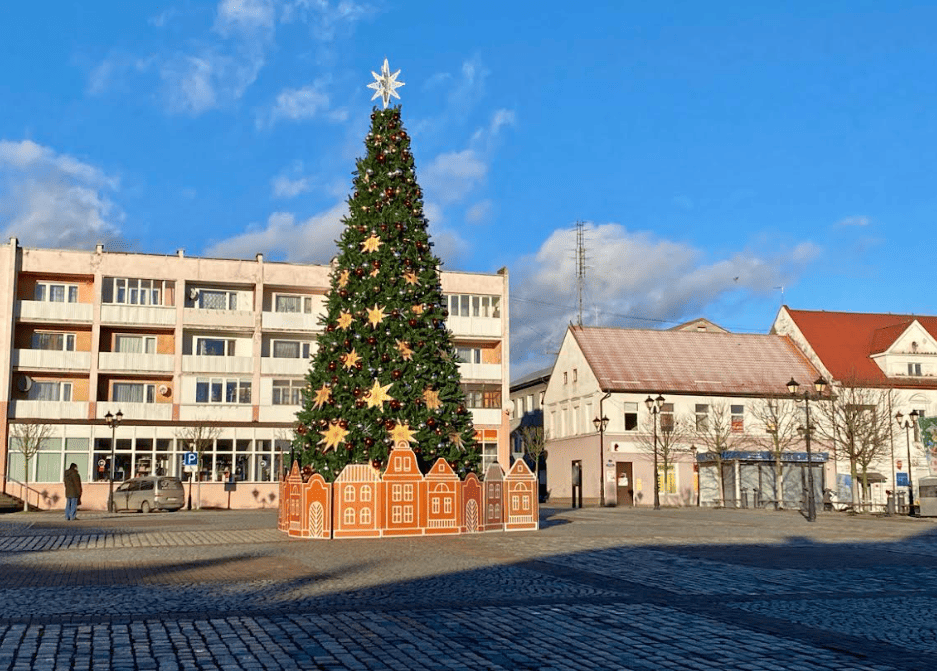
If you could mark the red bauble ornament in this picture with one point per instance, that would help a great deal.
(372, 340)
(343, 423)
(376, 464)
(396, 374)
(390, 424)
(431, 422)
(381, 158)
(332, 365)
(411, 322)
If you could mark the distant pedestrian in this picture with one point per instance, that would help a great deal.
(72, 492)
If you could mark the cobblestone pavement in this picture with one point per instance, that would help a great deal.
(593, 589)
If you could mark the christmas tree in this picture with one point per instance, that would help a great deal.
(386, 369)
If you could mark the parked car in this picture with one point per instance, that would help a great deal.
(151, 492)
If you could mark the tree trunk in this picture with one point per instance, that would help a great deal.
(854, 487)
(778, 482)
(26, 485)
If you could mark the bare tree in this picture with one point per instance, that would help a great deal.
(857, 419)
(781, 418)
(719, 436)
(534, 445)
(29, 439)
(673, 440)
(198, 438)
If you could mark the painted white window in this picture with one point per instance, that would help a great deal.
(914, 369)
(133, 392)
(365, 514)
(365, 497)
(408, 514)
(134, 291)
(53, 292)
(214, 347)
(435, 505)
(349, 493)
(213, 299)
(461, 305)
(135, 344)
(222, 390)
(50, 391)
(60, 342)
(288, 392)
(349, 515)
(292, 303)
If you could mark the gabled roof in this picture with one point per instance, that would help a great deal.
(699, 324)
(845, 341)
(692, 362)
(541, 376)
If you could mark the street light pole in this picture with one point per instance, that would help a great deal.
(820, 386)
(906, 423)
(600, 423)
(655, 405)
(113, 421)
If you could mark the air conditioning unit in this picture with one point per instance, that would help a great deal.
(24, 383)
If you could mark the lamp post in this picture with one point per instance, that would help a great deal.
(113, 421)
(820, 385)
(655, 405)
(906, 423)
(693, 451)
(600, 424)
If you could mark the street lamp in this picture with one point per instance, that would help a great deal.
(906, 423)
(113, 421)
(655, 405)
(820, 385)
(600, 424)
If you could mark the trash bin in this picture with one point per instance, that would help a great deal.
(890, 504)
(927, 497)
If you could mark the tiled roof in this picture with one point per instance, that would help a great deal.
(536, 377)
(845, 341)
(692, 362)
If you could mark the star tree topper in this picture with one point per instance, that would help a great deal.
(385, 85)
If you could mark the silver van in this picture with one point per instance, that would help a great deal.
(151, 492)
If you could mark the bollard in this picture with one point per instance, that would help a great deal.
(744, 498)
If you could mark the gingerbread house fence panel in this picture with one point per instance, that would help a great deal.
(472, 521)
(294, 501)
(404, 494)
(521, 502)
(493, 490)
(442, 511)
(357, 494)
(317, 504)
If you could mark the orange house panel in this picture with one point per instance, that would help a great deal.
(404, 494)
(357, 492)
(493, 490)
(317, 508)
(294, 501)
(442, 499)
(521, 500)
(472, 507)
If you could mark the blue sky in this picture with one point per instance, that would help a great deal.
(717, 151)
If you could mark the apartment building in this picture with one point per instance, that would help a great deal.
(176, 342)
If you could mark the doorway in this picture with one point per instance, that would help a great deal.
(623, 481)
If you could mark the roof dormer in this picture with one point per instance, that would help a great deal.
(905, 350)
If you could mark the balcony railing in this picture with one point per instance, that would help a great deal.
(51, 359)
(237, 319)
(138, 314)
(45, 311)
(203, 363)
(136, 362)
(291, 321)
(275, 366)
(136, 411)
(480, 371)
(489, 327)
(49, 409)
(217, 412)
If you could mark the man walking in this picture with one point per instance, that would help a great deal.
(72, 492)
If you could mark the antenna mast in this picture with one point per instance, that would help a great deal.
(580, 264)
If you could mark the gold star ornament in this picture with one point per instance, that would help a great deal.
(378, 395)
(418, 309)
(405, 351)
(456, 439)
(323, 394)
(332, 437)
(344, 320)
(411, 277)
(375, 316)
(372, 244)
(431, 398)
(343, 279)
(402, 432)
(350, 359)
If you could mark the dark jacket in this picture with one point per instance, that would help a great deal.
(72, 484)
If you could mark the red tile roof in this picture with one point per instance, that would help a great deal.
(692, 362)
(845, 341)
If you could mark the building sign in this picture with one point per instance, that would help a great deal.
(815, 457)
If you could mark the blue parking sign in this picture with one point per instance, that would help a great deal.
(190, 459)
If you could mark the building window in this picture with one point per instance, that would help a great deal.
(738, 418)
(489, 454)
(395, 492)
(292, 303)
(469, 354)
(702, 417)
(214, 347)
(631, 416)
(349, 493)
(211, 299)
(133, 291)
(50, 391)
(668, 479)
(408, 514)
(221, 390)
(565, 377)
(135, 344)
(349, 515)
(52, 292)
(447, 506)
(133, 392)
(482, 396)
(914, 369)
(396, 514)
(365, 515)
(290, 349)
(287, 392)
(666, 417)
(530, 403)
(435, 505)
(474, 306)
(365, 497)
(408, 492)
(59, 342)
(575, 374)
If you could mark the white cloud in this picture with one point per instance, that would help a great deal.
(854, 221)
(480, 212)
(451, 176)
(633, 279)
(190, 84)
(55, 200)
(290, 183)
(325, 19)
(309, 241)
(245, 16)
(302, 104)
